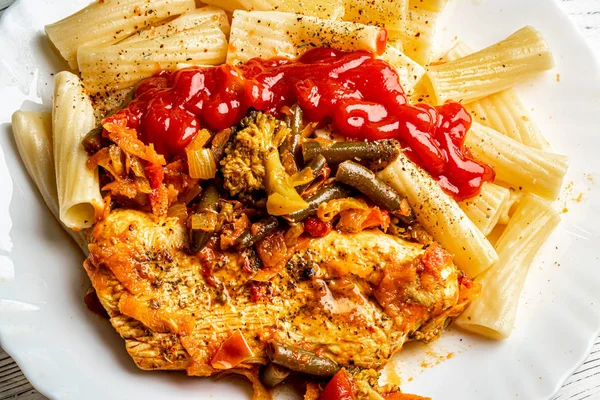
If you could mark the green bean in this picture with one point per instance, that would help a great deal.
(311, 149)
(338, 152)
(326, 193)
(290, 153)
(363, 179)
(315, 165)
(209, 201)
(93, 140)
(273, 375)
(296, 119)
(301, 360)
(258, 231)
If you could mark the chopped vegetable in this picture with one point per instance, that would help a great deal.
(328, 210)
(201, 163)
(207, 207)
(354, 220)
(274, 374)
(232, 352)
(301, 360)
(363, 179)
(258, 231)
(384, 150)
(311, 171)
(219, 143)
(325, 194)
(340, 387)
(252, 162)
(316, 228)
(93, 140)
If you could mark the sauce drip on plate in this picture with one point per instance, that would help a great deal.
(358, 94)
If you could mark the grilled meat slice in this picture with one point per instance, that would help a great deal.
(356, 298)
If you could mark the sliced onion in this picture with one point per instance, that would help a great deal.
(201, 164)
(204, 221)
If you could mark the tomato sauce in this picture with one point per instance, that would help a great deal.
(358, 94)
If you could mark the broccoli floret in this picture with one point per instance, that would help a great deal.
(252, 162)
(244, 164)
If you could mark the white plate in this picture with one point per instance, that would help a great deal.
(68, 353)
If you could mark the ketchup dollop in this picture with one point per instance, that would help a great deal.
(358, 94)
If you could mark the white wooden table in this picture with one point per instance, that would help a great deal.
(583, 384)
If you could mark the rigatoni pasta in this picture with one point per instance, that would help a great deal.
(333, 9)
(78, 188)
(520, 56)
(520, 166)
(106, 22)
(493, 313)
(389, 14)
(33, 136)
(268, 34)
(418, 33)
(409, 71)
(487, 207)
(201, 17)
(441, 216)
(112, 68)
(502, 111)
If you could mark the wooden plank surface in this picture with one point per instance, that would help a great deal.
(583, 384)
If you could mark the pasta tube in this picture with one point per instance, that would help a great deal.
(389, 14)
(122, 65)
(441, 216)
(517, 165)
(108, 21)
(418, 33)
(333, 9)
(432, 5)
(77, 186)
(33, 136)
(486, 208)
(502, 111)
(270, 34)
(408, 70)
(491, 70)
(201, 17)
(505, 113)
(493, 314)
(509, 205)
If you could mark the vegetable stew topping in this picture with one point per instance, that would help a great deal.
(359, 95)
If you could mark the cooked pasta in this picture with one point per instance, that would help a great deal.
(418, 33)
(201, 17)
(486, 208)
(433, 5)
(270, 34)
(389, 14)
(33, 136)
(502, 111)
(493, 314)
(509, 206)
(333, 9)
(108, 21)
(441, 216)
(112, 68)
(517, 165)
(409, 72)
(493, 69)
(72, 118)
